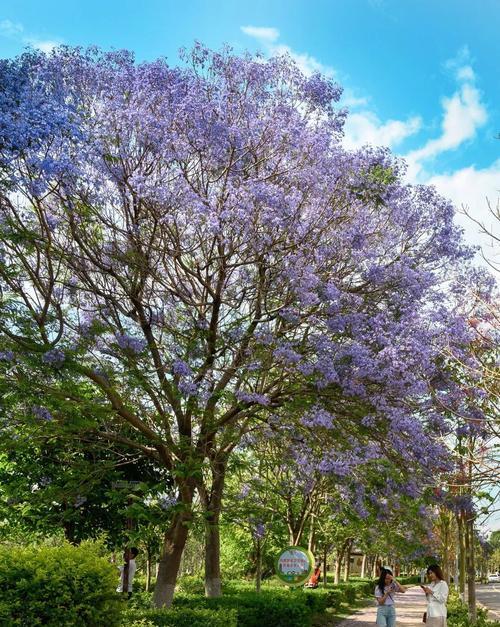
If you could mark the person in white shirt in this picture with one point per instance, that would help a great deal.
(127, 571)
(385, 589)
(437, 595)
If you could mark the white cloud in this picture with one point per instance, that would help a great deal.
(350, 100)
(306, 63)
(466, 73)
(365, 128)
(43, 45)
(268, 36)
(10, 29)
(262, 33)
(15, 30)
(473, 188)
(463, 114)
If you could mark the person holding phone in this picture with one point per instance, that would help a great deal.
(385, 590)
(437, 595)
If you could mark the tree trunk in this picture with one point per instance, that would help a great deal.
(461, 554)
(338, 567)
(258, 570)
(363, 565)
(325, 575)
(173, 547)
(69, 531)
(471, 571)
(347, 564)
(311, 544)
(340, 556)
(213, 586)
(212, 503)
(148, 569)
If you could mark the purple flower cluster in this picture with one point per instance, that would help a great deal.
(252, 397)
(245, 491)
(42, 413)
(181, 368)
(259, 531)
(54, 357)
(130, 344)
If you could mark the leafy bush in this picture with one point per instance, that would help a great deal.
(181, 617)
(276, 606)
(317, 599)
(350, 594)
(141, 600)
(335, 597)
(280, 610)
(57, 586)
(191, 585)
(409, 581)
(458, 614)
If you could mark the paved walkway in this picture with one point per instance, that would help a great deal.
(409, 609)
(488, 595)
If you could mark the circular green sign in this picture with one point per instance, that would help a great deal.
(294, 565)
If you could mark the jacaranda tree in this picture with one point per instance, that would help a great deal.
(195, 244)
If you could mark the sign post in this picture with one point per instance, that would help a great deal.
(294, 566)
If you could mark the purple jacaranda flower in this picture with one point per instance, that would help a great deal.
(130, 343)
(7, 356)
(318, 417)
(187, 387)
(287, 355)
(259, 530)
(52, 221)
(42, 413)
(252, 397)
(245, 491)
(181, 368)
(54, 357)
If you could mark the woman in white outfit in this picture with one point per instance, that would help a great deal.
(437, 595)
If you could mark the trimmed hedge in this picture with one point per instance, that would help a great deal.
(274, 605)
(278, 607)
(58, 586)
(181, 617)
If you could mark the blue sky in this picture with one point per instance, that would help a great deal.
(420, 76)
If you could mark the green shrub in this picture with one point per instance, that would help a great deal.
(409, 581)
(350, 594)
(335, 597)
(141, 600)
(191, 585)
(273, 609)
(275, 606)
(317, 599)
(57, 586)
(180, 617)
(458, 614)
(139, 622)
